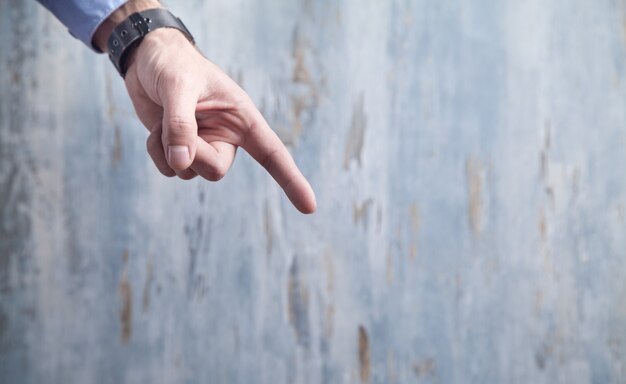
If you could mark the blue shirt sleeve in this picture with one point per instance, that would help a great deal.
(82, 17)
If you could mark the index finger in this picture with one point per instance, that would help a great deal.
(265, 147)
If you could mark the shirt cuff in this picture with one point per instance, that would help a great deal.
(83, 17)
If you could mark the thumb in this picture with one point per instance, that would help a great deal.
(180, 128)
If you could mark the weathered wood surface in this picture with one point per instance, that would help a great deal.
(469, 160)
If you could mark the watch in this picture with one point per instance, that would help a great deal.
(129, 33)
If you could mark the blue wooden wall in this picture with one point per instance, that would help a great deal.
(469, 159)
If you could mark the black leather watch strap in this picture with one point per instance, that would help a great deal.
(129, 33)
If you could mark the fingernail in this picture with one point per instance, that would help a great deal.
(178, 154)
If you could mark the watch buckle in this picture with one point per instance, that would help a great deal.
(140, 23)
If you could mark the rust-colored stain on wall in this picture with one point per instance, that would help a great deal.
(360, 212)
(117, 150)
(424, 368)
(475, 184)
(126, 293)
(147, 286)
(356, 135)
(329, 307)
(305, 93)
(365, 368)
(298, 304)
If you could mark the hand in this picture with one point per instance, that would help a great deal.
(198, 117)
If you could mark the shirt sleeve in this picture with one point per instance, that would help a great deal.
(82, 17)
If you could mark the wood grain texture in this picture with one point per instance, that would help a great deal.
(469, 161)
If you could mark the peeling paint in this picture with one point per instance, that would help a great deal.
(356, 135)
(305, 93)
(475, 185)
(546, 252)
(126, 312)
(360, 212)
(543, 227)
(298, 304)
(147, 286)
(543, 354)
(329, 267)
(329, 320)
(459, 287)
(365, 369)
(329, 306)
(299, 104)
(424, 368)
(301, 72)
(117, 150)
(196, 239)
(545, 164)
(199, 287)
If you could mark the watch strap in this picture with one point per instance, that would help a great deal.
(127, 35)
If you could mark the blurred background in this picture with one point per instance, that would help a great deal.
(469, 159)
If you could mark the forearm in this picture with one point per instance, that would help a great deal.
(103, 32)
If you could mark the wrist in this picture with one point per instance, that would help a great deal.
(154, 41)
(101, 36)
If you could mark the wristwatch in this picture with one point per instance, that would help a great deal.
(129, 33)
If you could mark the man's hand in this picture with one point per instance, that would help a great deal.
(198, 117)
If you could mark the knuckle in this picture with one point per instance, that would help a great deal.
(187, 175)
(179, 130)
(241, 100)
(179, 127)
(166, 76)
(216, 174)
(152, 144)
(167, 172)
(169, 76)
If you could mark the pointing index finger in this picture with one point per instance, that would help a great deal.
(265, 147)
